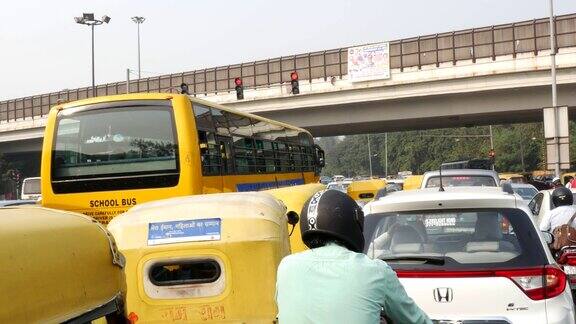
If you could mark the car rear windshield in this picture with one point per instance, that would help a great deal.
(454, 240)
(526, 193)
(31, 186)
(461, 181)
(130, 139)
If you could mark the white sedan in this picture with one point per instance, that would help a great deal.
(542, 204)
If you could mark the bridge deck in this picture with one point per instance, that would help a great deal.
(487, 42)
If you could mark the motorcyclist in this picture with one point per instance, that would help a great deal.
(563, 200)
(334, 282)
(556, 182)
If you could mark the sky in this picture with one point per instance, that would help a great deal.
(42, 49)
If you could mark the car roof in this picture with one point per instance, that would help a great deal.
(451, 172)
(339, 182)
(522, 185)
(451, 198)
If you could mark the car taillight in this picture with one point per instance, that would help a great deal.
(540, 283)
(537, 283)
(568, 262)
(568, 258)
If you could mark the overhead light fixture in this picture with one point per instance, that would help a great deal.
(88, 16)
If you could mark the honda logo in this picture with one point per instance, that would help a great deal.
(443, 295)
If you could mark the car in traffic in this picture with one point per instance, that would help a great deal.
(461, 178)
(31, 189)
(469, 255)
(512, 177)
(541, 204)
(339, 185)
(525, 190)
(325, 180)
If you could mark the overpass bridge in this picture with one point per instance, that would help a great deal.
(488, 75)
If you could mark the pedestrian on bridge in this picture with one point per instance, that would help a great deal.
(334, 282)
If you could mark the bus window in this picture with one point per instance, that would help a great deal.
(96, 147)
(203, 117)
(220, 122)
(244, 154)
(209, 153)
(238, 124)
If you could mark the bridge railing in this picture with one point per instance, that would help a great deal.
(445, 48)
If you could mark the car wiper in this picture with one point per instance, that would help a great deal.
(436, 260)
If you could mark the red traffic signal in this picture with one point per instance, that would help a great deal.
(239, 88)
(491, 154)
(294, 82)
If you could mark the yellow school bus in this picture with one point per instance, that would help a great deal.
(104, 155)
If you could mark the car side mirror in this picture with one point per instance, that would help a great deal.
(293, 220)
(548, 237)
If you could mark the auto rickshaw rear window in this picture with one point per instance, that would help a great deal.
(366, 195)
(185, 272)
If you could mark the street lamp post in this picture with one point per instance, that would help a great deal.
(554, 93)
(369, 155)
(138, 20)
(88, 19)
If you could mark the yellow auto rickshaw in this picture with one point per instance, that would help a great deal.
(413, 182)
(294, 198)
(365, 190)
(512, 177)
(203, 258)
(57, 267)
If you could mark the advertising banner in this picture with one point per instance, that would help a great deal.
(369, 62)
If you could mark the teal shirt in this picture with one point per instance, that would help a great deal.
(332, 284)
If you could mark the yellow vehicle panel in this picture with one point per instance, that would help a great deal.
(413, 182)
(514, 177)
(365, 190)
(56, 266)
(251, 242)
(294, 198)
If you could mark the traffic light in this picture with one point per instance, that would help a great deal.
(239, 89)
(294, 82)
(184, 88)
(492, 155)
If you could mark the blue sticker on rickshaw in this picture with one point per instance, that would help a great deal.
(193, 230)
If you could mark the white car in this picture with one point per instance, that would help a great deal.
(461, 178)
(542, 204)
(339, 185)
(469, 255)
(525, 190)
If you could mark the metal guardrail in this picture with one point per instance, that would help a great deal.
(471, 44)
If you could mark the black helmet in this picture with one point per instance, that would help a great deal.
(331, 215)
(562, 196)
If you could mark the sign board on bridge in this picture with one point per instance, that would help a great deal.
(369, 62)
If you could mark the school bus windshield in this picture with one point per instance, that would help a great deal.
(98, 144)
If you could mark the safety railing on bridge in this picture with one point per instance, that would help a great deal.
(445, 48)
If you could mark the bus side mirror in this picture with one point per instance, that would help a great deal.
(321, 161)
